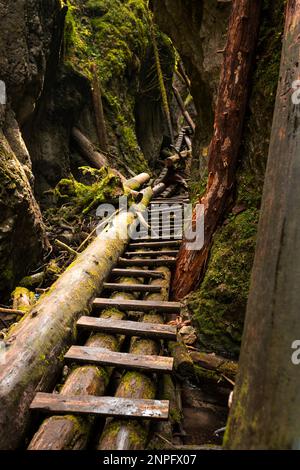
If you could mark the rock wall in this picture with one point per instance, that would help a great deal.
(47, 51)
(198, 29)
(27, 30)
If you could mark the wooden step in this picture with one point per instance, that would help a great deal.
(164, 227)
(147, 262)
(154, 244)
(171, 210)
(103, 406)
(138, 305)
(131, 287)
(152, 253)
(129, 328)
(171, 238)
(169, 200)
(145, 273)
(157, 202)
(103, 357)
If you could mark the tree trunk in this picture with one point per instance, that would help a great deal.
(225, 144)
(33, 349)
(98, 108)
(266, 406)
(88, 150)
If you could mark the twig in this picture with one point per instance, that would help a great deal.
(11, 311)
(65, 247)
(165, 440)
(102, 224)
(228, 380)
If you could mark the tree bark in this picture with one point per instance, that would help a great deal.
(98, 108)
(266, 406)
(88, 150)
(225, 144)
(31, 358)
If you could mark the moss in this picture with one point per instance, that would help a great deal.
(219, 305)
(137, 434)
(136, 382)
(112, 35)
(105, 186)
(20, 292)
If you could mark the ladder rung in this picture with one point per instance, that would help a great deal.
(103, 406)
(147, 262)
(103, 357)
(154, 244)
(131, 287)
(152, 253)
(158, 239)
(138, 305)
(129, 328)
(163, 210)
(145, 273)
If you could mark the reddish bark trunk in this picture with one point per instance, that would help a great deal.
(225, 144)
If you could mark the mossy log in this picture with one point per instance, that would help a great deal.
(33, 351)
(130, 435)
(163, 431)
(218, 364)
(183, 362)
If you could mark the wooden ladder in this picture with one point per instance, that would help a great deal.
(141, 255)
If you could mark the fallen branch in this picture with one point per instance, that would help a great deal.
(185, 113)
(11, 311)
(65, 247)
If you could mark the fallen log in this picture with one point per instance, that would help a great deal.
(218, 364)
(183, 362)
(87, 149)
(132, 435)
(31, 358)
(173, 159)
(90, 154)
(185, 113)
